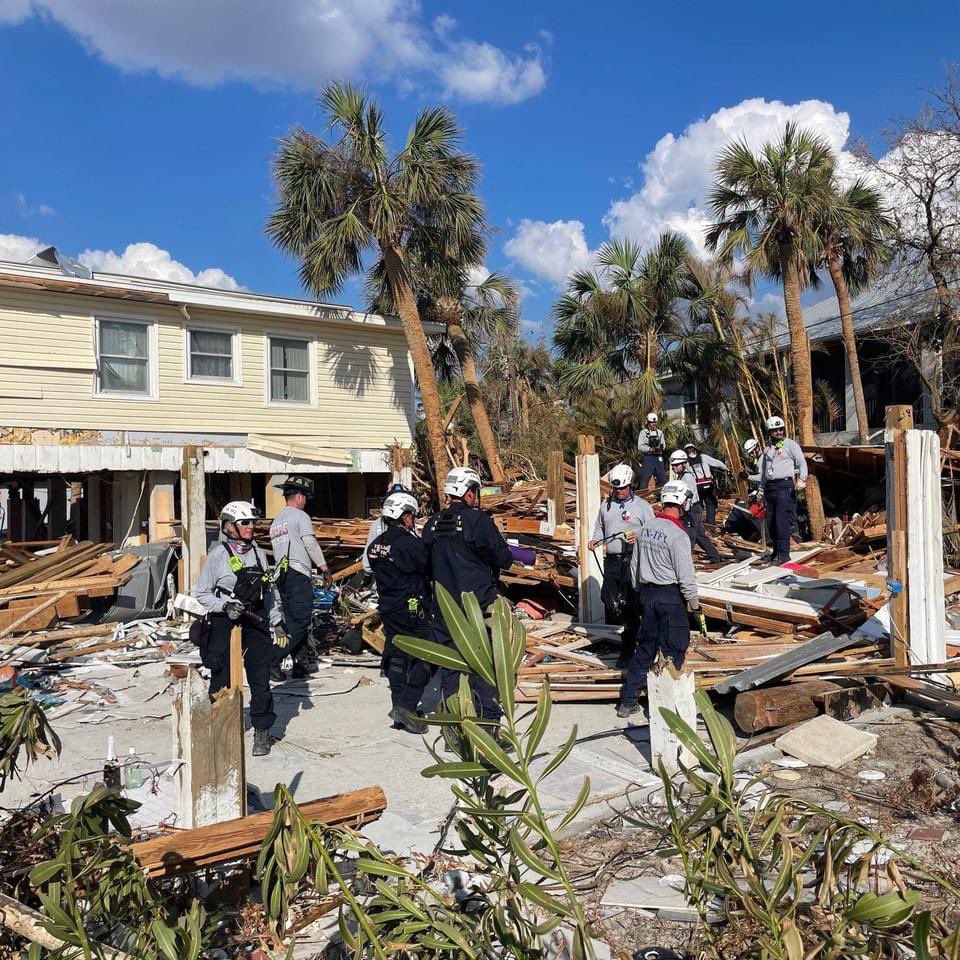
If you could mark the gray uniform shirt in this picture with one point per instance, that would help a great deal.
(691, 481)
(703, 467)
(662, 555)
(376, 528)
(645, 446)
(619, 516)
(782, 462)
(216, 573)
(287, 533)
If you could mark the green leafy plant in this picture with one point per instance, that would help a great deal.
(522, 890)
(785, 876)
(23, 728)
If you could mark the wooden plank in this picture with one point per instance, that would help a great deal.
(236, 657)
(87, 585)
(188, 850)
(31, 614)
(69, 606)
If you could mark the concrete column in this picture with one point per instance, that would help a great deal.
(673, 690)
(56, 507)
(162, 485)
(93, 494)
(356, 495)
(129, 495)
(274, 495)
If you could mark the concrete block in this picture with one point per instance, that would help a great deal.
(825, 742)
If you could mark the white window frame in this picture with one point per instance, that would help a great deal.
(236, 348)
(311, 343)
(153, 359)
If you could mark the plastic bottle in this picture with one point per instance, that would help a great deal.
(111, 769)
(134, 771)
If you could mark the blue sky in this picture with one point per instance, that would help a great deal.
(153, 122)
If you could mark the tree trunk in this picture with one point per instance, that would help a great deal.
(420, 354)
(850, 344)
(525, 407)
(802, 384)
(471, 386)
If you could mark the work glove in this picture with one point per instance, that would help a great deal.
(366, 578)
(800, 485)
(629, 536)
(281, 638)
(694, 606)
(327, 578)
(760, 497)
(233, 609)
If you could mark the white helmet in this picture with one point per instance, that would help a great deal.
(620, 476)
(238, 510)
(460, 480)
(397, 504)
(678, 456)
(651, 417)
(775, 423)
(750, 446)
(674, 492)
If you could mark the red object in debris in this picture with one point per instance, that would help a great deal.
(758, 510)
(8, 678)
(534, 610)
(926, 833)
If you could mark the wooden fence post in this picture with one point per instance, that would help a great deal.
(588, 504)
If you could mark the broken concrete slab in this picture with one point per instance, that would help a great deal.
(825, 742)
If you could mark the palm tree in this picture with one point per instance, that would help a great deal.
(338, 200)
(853, 233)
(610, 321)
(767, 207)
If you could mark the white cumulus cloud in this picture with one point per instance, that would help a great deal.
(149, 260)
(678, 173)
(302, 43)
(550, 250)
(137, 260)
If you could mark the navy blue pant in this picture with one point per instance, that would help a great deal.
(296, 593)
(781, 500)
(698, 533)
(257, 659)
(664, 627)
(484, 696)
(408, 676)
(652, 466)
(619, 603)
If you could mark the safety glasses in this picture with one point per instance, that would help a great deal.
(245, 523)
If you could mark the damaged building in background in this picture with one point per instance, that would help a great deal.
(134, 408)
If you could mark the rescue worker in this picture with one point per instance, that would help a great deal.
(783, 475)
(661, 570)
(295, 553)
(680, 470)
(376, 528)
(467, 553)
(702, 466)
(235, 587)
(651, 443)
(752, 452)
(400, 561)
(746, 518)
(621, 515)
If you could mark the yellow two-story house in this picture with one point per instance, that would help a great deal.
(106, 381)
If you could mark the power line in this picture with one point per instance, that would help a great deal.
(759, 339)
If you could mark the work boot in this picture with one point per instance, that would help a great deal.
(261, 742)
(406, 720)
(625, 710)
(277, 675)
(303, 670)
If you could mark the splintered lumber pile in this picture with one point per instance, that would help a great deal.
(38, 592)
(187, 850)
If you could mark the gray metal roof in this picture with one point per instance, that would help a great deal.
(888, 302)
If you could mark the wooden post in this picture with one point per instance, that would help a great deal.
(588, 504)
(236, 657)
(162, 484)
(210, 784)
(556, 490)
(898, 420)
(193, 515)
(674, 690)
(926, 603)
(274, 495)
(56, 507)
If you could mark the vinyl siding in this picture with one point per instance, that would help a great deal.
(361, 387)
